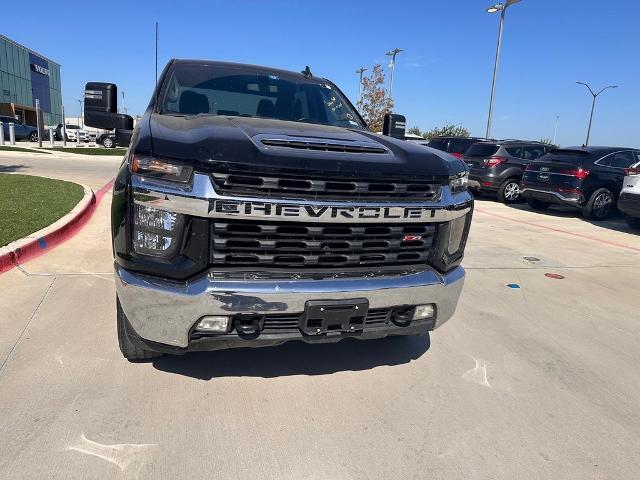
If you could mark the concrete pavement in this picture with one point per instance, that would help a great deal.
(91, 170)
(534, 382)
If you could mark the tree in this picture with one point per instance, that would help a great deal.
(449, 130)
(415, 131)
(375, 102)
(548, 141)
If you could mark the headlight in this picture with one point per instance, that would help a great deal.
(160, 168)
(155, 232)
(459, 182)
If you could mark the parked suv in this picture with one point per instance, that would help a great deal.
(497, 166)
(589, 178)
(629, 200)
(22, 131)
(74, 132)
(456, 146)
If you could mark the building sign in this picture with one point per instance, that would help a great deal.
(40, 69)
(40, 77)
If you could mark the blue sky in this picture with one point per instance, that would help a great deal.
(444, 74)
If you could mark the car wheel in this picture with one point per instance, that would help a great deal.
(108, 143)
(633, 222)
(131, 351)
(600, 206)
(537, 204)
(33, 137)
(509, 191)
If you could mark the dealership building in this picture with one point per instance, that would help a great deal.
(24, 77)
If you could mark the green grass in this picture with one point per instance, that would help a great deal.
(117, 152)
(21, 149)
(28, 204)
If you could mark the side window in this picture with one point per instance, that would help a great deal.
(623, 159)
(531, 153)
(637, 158)
(514, 151)
(606, 161)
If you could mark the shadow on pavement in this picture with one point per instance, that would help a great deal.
(297, 358)
(12, 168)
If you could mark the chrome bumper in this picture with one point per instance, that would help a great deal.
(165, 311)
(570, 200)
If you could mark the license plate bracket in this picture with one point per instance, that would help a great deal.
(334, 317)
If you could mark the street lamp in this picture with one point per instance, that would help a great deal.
(593, 106)
(555, 130)
(80, 118)
(502, 8)
(392, 65)
(361, 70)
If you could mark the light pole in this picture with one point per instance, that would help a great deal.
(361, 70)
(502, 8)
(80, 118)
(593, 106)
(392, 65)
(555, 130)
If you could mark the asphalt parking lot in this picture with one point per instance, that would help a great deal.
(539, 381)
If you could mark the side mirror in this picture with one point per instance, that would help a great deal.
(101, 107)
(394, 125)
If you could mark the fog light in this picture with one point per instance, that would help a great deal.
(424, 311)
(213, 324)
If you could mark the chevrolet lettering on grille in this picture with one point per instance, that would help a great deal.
(320, 212)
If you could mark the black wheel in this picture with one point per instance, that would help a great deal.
(509, 191)
(600, 206)
(633, 222)
(131, 352)
(33, 137)
(537, 204)
(107, 142)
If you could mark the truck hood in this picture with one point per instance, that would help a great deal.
(237, 143)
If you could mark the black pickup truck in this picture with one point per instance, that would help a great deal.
(254, 207)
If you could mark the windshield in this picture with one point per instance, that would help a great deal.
(228, 91)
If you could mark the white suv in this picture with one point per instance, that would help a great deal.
(74, 132)
(629, 199)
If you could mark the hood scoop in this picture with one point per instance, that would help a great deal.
(323, 145)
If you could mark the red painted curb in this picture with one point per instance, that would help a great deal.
(51, 240)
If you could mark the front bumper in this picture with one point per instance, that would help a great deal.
(629, 204)
(163, 313)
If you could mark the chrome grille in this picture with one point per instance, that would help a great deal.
(293, 186)
(289, 244)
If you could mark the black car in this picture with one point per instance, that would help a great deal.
(497, 166)
(589, 178)
(456, 146)
(107, 140)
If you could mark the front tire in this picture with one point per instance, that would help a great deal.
(129, 350)
(537, 204)
(600, 206)
(108, 143)
(509, 191)
(633, 222)
(33, 137)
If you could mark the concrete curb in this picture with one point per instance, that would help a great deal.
(49, 237)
